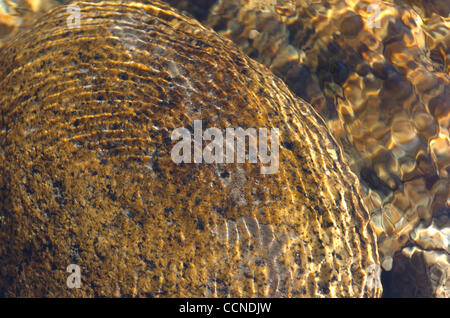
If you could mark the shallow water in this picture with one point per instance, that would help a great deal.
(379, 76)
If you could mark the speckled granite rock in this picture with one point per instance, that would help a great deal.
(86, 175)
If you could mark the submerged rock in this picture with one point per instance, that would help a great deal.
(87, 176)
